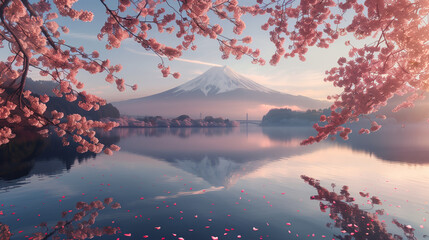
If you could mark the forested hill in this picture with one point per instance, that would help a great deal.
(286, 116)
(62, 105)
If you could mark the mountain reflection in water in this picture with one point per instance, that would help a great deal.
(218, 155)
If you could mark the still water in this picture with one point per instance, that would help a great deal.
(235, 183)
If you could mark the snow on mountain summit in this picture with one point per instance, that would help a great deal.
(218, 80)
(217, 92)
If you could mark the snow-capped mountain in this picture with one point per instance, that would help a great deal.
(220, 80)
(220, 91)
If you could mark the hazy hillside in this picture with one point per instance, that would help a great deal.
(62, 105)
(286, 116)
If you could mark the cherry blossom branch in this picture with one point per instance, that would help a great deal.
(43, 28)
(21, 49)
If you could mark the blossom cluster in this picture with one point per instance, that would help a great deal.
(394, 64)
(34, 35)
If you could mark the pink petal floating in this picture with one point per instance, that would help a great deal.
(255, 229)
(157, 228)
(238, 236)
(214, 238)
(127, 234)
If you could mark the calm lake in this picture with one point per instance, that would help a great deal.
(247, 182)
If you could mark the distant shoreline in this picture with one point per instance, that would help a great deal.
(179, 127)
(183, 121)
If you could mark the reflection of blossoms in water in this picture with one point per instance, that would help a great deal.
(81, 229)
(4, 232)
(354, 222)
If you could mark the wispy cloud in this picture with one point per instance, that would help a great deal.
(190, 193)
(176, 59)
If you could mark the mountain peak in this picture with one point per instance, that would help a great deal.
(218, 80)
(219, 91)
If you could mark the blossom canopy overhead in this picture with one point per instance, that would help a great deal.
(392, 59)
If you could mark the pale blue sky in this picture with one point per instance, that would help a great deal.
(139, 66)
